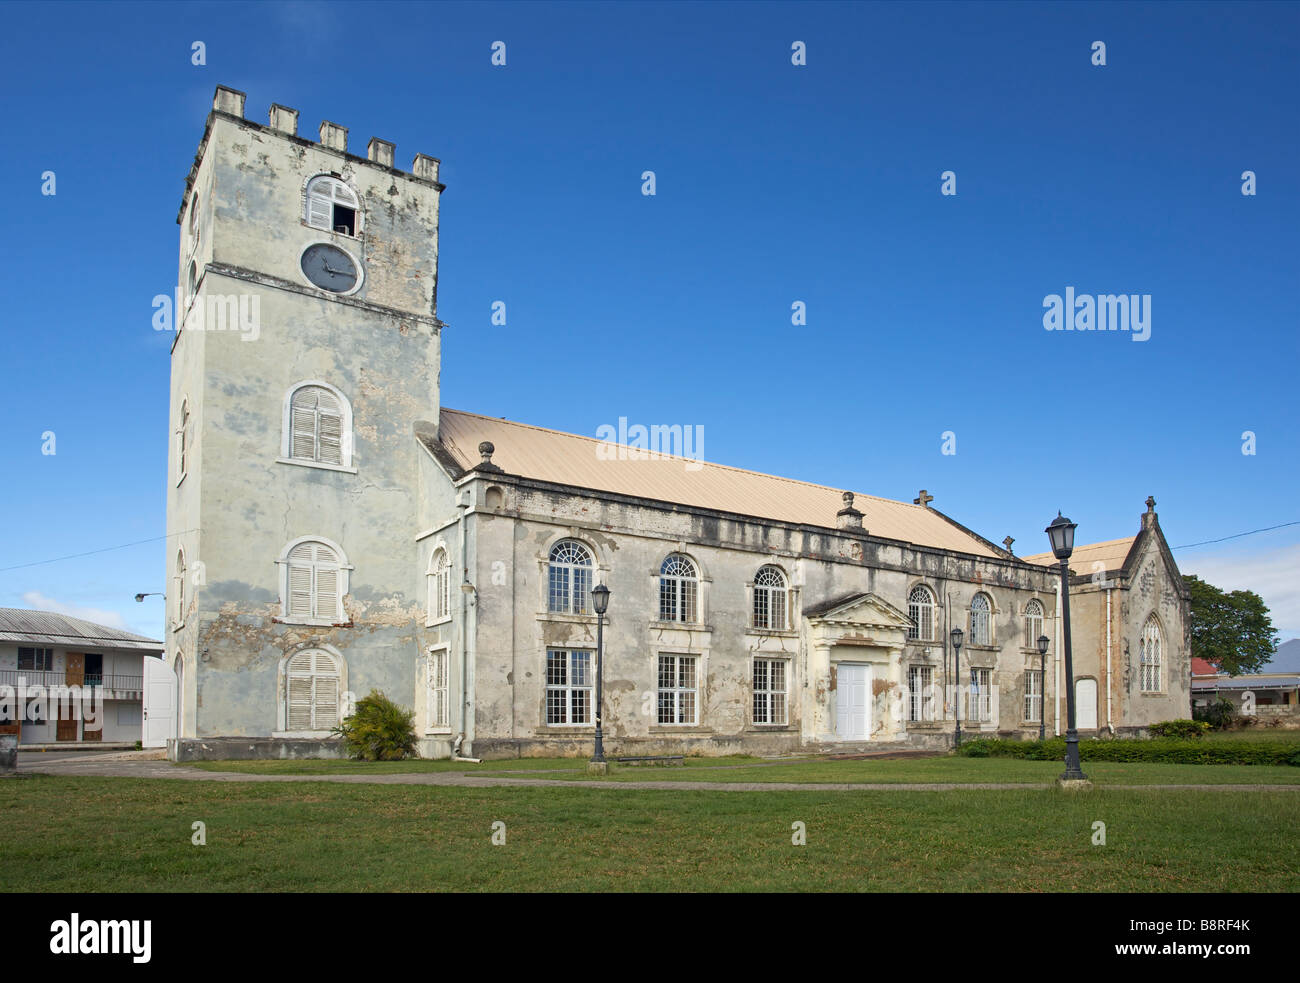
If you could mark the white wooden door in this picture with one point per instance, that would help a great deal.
(159, 703)
(852, 702)
(1085, 704)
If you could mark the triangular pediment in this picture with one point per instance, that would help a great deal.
(863, 608)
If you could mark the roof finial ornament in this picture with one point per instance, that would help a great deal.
(923, 499)
(1007, 543)
(848, 517)
(487, 449)
(1151, 503)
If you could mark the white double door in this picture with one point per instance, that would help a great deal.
(852, 701)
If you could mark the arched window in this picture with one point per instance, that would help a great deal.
(182, 440)
(317, 426)
(311, 691)
(194, 222)
(679, 584)
(1149, 656)
(191, 281)
(332, 205)
(570, 578)
(920, 608)
(179, 615)
(1033, 623)
(981, 621)
(770, 599)
(314, 582)
(439, 586)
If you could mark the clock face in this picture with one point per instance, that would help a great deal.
(329, 267)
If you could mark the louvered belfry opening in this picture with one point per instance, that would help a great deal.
(313, 691)
(313, 582)
(317, 426)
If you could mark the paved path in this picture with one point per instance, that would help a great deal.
(148, 765)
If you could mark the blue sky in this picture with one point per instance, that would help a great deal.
(774, 184)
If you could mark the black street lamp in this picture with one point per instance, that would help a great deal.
(140, 597)
(957, 635)
(600, 601)
(1043, 641)
(1061, 535)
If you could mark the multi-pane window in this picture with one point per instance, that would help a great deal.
(568, 686)
(436, 690)
(179, 611)
(313, 582)
(1033, 695)
(312, 691)
(36, 660)
(316, 426)
(569, 589)
(677, 689)
(679, 587)
(920, 680)
(1149, 656)
(439, 585)
(1033, 623)
(980, 705)
(770, 594)
(920, 608)
(331, 205)
(981, 622)
(770, 691)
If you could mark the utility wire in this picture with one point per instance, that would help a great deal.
(1237, 535)
(106, 549)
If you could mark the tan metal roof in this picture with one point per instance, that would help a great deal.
(1110, 554)
(46, 628)
(569, 459)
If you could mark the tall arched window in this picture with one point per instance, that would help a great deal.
(569, 589)
(679, 584)
(981, 620)
(313, 582)
(332, 205)
(920, 608)
(1149, 656)
(179, 614)
(1033, 622)
(311, 691)
(770, 599)
(182, 440)
(439, 586)
(194, 222)
(317, 426)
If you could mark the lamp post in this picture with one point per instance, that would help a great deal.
(1042, 685)
(1061, 535)
(600, 601)
(140, 597)
(957, 635)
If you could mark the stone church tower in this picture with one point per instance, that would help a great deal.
(307, 343)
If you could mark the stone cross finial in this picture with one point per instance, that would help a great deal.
(1151, 503)
(923, 499)
(1007, 543)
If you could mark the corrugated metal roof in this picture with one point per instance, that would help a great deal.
(48, 628)
(1247, 682)
(1110, 553)
(569, 459)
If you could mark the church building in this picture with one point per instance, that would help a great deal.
(334, 530)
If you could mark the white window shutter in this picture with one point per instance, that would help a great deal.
(331, 438)
(320, 210)
(300, 703)
(326, 709)
(327, 593)
(299, 591)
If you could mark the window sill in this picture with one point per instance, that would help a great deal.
(773, 632)
(678, 626)
(315, 735)
(358, 237)
(573, 619)
(444, 620)
(315, 464)
(680, 729)
(311, 622)
(768, 728)
(438, 732)
(561, 730)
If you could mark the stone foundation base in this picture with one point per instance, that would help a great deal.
(250, 748)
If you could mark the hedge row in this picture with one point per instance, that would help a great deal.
(1164, 750)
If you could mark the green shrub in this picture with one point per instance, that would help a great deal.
(1218, 714)
(378, 730)
(1180, 728)
(1163, 750)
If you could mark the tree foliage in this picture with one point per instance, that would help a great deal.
(379, 730)
(1231, 630)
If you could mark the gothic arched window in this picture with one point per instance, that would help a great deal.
(1033, 622)
(439, 586)
(981, 620)
(1149, 656)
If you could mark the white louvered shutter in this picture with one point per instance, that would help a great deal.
(300, 692)
(326, 709)
(300, 587)
(331, 430)
(320, 207)
(327, 592)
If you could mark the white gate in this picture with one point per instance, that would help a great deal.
(159, 703)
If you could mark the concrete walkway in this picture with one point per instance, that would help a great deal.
(147, 764)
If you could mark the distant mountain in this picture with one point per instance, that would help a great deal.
(1286, 658)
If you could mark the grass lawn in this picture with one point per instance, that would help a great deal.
(1255, 734)
(814, 771)
(120, 834)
